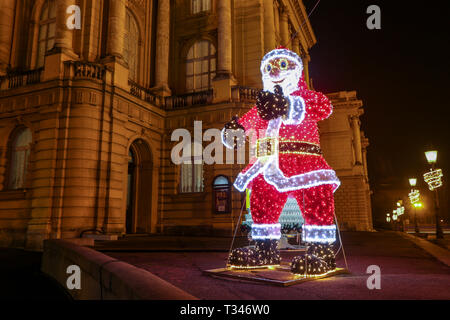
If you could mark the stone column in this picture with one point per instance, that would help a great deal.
(284, 28)
(224, 79)
(63, 48)
(357, 139)
(114, 50)
(6, 32)
(276, 15)
(269, 26)
(63, 36)
(306, 60)
(116, 29)
(296, 46)
(224, 38)
(162, 48)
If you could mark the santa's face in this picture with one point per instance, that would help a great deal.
(283, 72)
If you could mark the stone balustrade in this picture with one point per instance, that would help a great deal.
(244, 94)
(18, 79)
(189, 99)
(87, 70)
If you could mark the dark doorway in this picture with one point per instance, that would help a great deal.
(131, 191)
(139, 188)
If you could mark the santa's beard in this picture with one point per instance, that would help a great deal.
(289, 85)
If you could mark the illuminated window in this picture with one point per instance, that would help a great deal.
(222, 195)
(131, 45)
(19, 158)
(192, 172)
(47, 25)
(200, 66)
(200, 6)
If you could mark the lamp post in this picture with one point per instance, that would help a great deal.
(413, 197)
(394, 219)
(433, 178)
(399, 212)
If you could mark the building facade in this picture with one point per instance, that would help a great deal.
(87, 115)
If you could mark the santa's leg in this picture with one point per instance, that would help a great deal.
(319, 230)
(266, 205)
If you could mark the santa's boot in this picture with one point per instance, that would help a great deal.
(325, 252)
(318, 259)
(264, 254)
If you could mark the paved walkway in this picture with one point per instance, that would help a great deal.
(169, 243)
(439, 252)
(407, 272)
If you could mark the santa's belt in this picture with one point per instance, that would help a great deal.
(268, 146)
(300, 147)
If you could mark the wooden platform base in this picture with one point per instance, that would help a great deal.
(278, 276)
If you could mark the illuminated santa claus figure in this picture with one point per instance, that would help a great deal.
(288, 162)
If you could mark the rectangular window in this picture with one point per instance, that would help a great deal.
(191, 175)
(198, 6)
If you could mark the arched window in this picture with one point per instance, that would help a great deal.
(192, 171)
(19, 158)
(222, 195)
(47, 27)
(200, 6)
(200, 66)
(131, 45)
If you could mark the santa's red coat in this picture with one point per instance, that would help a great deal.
(318, 107)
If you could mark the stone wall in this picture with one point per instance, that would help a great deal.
(103, 277)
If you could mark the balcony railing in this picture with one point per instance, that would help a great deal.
(244, 94)
(20, 78)
(171, 102)
(143, 93)
(189, 99)
(88, 70)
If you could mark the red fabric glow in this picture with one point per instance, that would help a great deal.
(266, 203)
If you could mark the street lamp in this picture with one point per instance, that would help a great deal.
(431, 156)
(433, 178)
(414, 199)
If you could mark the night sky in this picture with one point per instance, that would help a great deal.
(401, 73)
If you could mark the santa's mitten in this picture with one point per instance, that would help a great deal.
(233, 134)
(272, 105)
(308, 265)
(324, 252)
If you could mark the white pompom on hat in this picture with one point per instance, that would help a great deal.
(281, 53)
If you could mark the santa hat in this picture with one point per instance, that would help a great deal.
(281, 52)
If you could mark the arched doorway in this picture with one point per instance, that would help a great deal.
(130, 191)
(139, 188)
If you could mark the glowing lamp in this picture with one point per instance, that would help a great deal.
(418, 204)
(412, 182)
(431, 156)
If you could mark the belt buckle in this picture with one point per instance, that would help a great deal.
(266, 147)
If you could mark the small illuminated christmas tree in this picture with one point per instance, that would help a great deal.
(291, 221)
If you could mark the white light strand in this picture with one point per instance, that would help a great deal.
(266, 231)
(414, 196)
(434, 179)
(321, 234)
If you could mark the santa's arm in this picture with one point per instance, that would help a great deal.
(240, 126)
(318, 106)
(296, 110)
